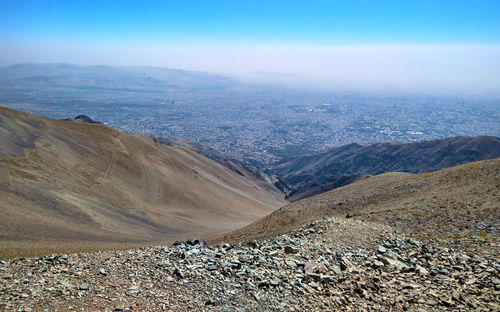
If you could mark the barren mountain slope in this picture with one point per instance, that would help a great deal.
(332, 264)
(71, 186)
(270, 183)
(457, 206)
(313, 174)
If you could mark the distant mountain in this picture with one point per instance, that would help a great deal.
(134, 78)
(320, 172)
(69, 186)
(82, 119)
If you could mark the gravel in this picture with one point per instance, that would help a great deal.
(307, 269)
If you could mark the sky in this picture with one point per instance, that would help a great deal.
(417, 45)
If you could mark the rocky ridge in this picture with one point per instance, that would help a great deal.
(83, 119)
(331, 264)
(317, 173)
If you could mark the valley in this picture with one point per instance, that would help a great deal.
(266, 124)
(307, 255)
(97, 219)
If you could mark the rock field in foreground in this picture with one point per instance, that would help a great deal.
(334, 264)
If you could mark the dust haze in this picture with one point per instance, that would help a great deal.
(464, 69)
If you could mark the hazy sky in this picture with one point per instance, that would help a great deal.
(453, 45)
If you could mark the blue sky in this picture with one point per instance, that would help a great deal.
(411, 45)
(253, 22)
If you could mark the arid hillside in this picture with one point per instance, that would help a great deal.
(457, 207)
(271, 183)
(378, 244)
(317, 173)
(68, 186)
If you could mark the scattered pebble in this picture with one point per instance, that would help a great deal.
(305, 270)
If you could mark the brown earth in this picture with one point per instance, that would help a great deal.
(457, 207)
(69, 187)
(316, 173)
(270, 183)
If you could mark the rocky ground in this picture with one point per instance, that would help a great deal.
(332, 264)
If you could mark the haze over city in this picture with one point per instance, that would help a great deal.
(425, 46)
(262, 81)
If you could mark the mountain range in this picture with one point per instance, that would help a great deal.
(101, 77)
(396, 240)
(320, 172)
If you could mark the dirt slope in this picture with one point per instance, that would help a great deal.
(270, 183)
(458, 206)
(311, 174)
(71, 186)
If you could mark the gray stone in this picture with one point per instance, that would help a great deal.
(328, 279)
(391, 263)
(178, 273)
(249, 286)
(336, 269)
(392, 255)
(422, 270)
(83, 287)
